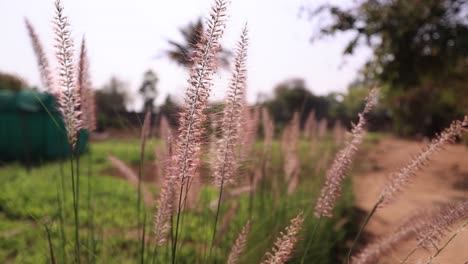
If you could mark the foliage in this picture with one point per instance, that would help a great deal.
(148, 90)
(182, 52)
(111, 99)
(293, 96)
(170, 110)
(10, 82)
(420, 51)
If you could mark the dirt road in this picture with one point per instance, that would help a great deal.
(444, 179)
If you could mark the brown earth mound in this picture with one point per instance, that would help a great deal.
(444, 179)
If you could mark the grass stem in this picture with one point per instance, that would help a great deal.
(310, 239)
(75, 208)
(216, 217)
(361, 229)
(51, 247)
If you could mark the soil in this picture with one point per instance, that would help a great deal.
(444, 179)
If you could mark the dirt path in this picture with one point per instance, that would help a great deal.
(444, 179)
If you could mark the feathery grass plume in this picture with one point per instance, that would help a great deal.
(268, 136)
(268, 130)
(239, 244)
(47, 79)
(226, 162)
(323, 161)
(386, 244)
(226, 159)
(441, 248)
(322, 128)
(441, 224)
(437, 225)
(213, 141)
(69, 99)
(191, 130)
(141, 220)
(250, 119)
(92, 115)
(164, 132)
(402, 179)
(82, 83)
(290, 134)
(336, 174)
(230, 195)
(131, 177)
(166, 200)
(339, 132)
(289, 142)
(88, 108)
(285, 243)
(226, 222)
(310, 126)
(145, 131)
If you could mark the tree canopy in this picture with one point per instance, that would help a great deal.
(148, 90)
(11, 82)
(420, 56)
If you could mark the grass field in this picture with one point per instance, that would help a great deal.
(29, 200)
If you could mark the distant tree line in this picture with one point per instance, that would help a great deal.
(293, 96)
(288, 97)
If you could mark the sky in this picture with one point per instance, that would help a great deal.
(125, 38)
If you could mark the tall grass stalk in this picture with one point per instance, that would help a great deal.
(215, 225)
(143, 239)
(336, 174)
(191, 129)
(69, 101)
(144, 134)
(77, 186)
(361, 229)
(163, 221)
(75, 208)
(226, 159)
(63, 240)
(91, 232)
(310, 239)
(51, 246)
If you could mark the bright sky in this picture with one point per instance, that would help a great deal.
(127, 37)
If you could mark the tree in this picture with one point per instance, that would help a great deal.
(171, 111)
(10, 82)
(293, 96)
(148, 90)
(181, 53)
(420, 56)
(111, 99)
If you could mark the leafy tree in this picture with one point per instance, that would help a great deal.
(182, 52)
(111, 99)
(148, 90)
(420, 56)
(293, 96)
(170, 110)
(10, 82)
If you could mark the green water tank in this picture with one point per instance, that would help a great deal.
(31, 128)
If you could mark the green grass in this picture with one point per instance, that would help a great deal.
(28, 199)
